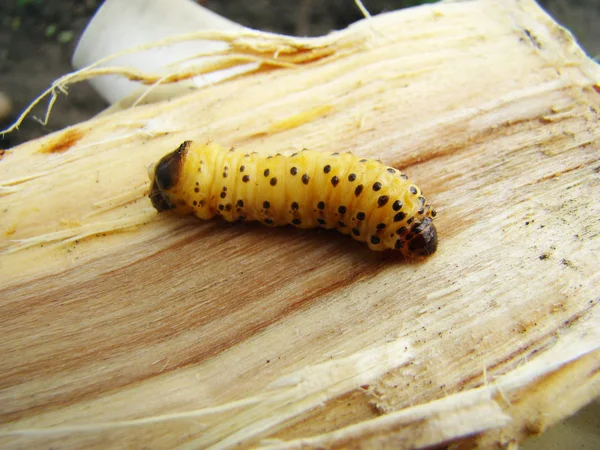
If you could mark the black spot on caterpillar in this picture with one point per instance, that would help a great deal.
(362, 198)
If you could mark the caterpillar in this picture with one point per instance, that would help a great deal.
(363, 198)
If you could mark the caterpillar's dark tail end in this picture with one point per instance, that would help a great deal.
(165, 176)
(426, 241)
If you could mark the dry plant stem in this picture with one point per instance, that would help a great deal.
(181, 333)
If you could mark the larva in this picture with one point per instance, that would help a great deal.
(363, 198)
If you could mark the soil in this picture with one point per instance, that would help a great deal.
(37, 39)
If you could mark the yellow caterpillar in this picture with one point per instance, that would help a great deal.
(371, 202)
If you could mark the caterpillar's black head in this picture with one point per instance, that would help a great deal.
(167, 173)
(425, 242)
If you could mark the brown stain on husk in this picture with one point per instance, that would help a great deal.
(62, 142)
(183, 259)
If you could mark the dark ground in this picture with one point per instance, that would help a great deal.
(37, 39)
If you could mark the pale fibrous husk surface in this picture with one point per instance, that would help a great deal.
(126, 328)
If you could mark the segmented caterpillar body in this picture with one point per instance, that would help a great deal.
(363, 198)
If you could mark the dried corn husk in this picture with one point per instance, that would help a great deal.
(126, 328)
